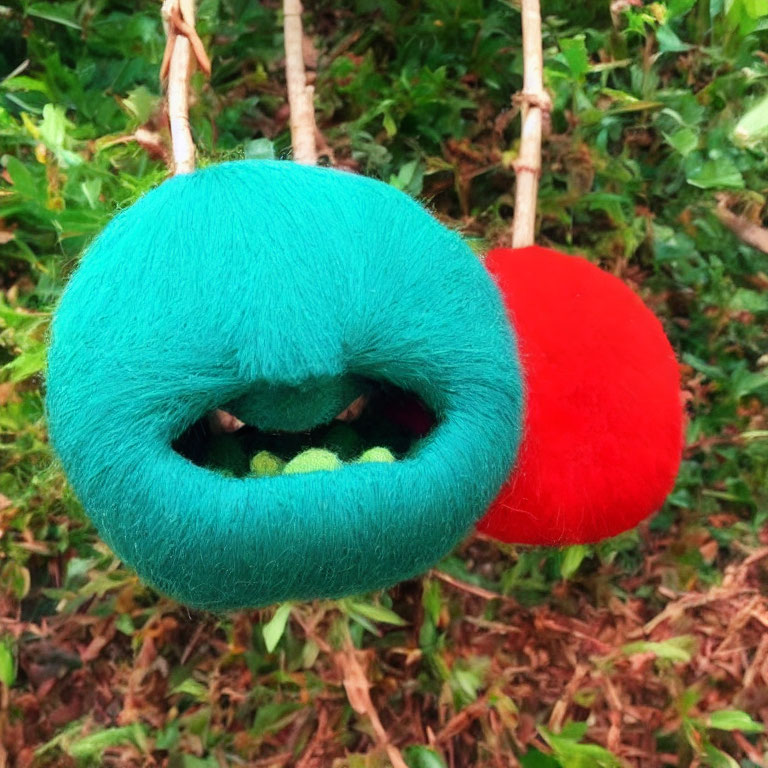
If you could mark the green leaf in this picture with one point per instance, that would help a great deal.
(752, 128)
(418, 756)
(53, 128)
(432, 599)
(390, 126)
(467, 677)
(309, 653)
(574, 52)
(24, 182)
(684, 140)
(7, 662)
(53, 131)
(192, 761)
(574, 755)
(29, 363)
(677, 8)
(91, 189)
(572, 559)
(92, 746)
(748, 382)
(712, 371)
(260, 149)
(677, 649)
(376, 613)
(755, 9)
(168, 738)
(716, 758)
(141, 102)
(410, 178)
(273, 630)
(720, 173)
(683, 106)
(208, 13)
(193, 688)
(629, 103)
(755, 434)
(734, 720)
(744, 300)
(15, 579)
(273, 716)
(669, 42)
(60, 13)
(24, 83)
(533, 758)
(125, 624)
(573, 731)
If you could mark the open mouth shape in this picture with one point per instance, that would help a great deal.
(280, 292)
(384, 425)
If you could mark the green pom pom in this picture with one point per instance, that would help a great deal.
(266, 464)
(313, 460)
(377, 453)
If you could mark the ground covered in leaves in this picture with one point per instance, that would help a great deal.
(648, 650)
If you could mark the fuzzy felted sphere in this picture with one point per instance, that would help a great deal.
(278, 292)
(603, 421)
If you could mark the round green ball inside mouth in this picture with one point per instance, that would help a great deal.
(377, 453)
(266, 464)
(275, 291)
(313, 460)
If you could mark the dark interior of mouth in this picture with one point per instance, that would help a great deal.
(392, 419)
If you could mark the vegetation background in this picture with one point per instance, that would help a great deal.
(650, 649)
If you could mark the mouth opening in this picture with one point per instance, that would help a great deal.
(385, 425)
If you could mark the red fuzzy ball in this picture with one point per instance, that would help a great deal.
(603, 424)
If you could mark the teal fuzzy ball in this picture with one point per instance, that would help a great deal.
(277, 291)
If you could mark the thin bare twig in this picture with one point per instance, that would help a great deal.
(182, 43)
(358, 690)
(472, 589)
(747, 231)
(534, 102)
(300, 95)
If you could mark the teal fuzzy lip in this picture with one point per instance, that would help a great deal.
(278, 288)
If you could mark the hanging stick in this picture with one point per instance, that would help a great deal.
(534, 101)
(182, 47)
(300, 95)
(303, 129)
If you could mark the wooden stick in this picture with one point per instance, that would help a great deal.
(533, 100)
(300, 95)
(178, 61)
(301, 100)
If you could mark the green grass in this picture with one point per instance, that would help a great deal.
(648, 649)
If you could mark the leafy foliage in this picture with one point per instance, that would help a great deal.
(647, 647)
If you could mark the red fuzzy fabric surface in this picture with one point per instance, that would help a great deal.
(603, 426)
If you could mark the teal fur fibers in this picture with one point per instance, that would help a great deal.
(277, 291)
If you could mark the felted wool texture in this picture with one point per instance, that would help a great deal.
(603, 423)
(275, 290)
